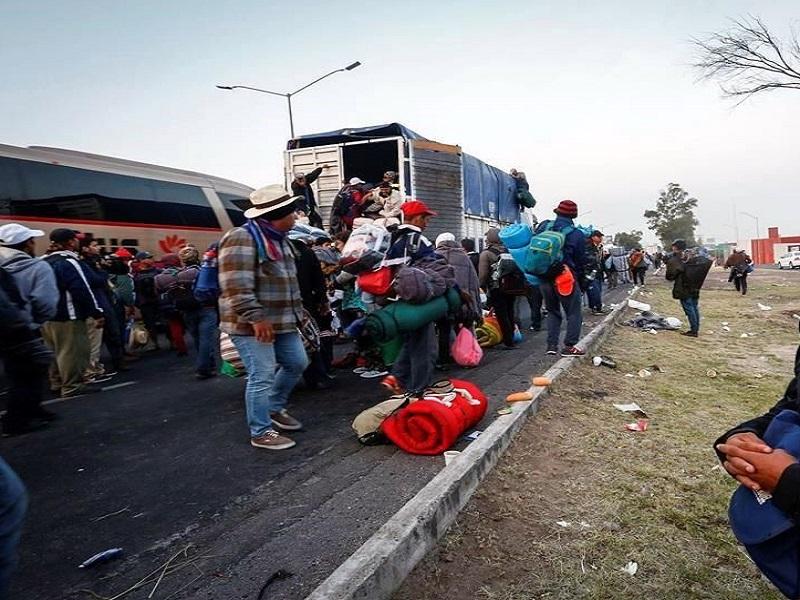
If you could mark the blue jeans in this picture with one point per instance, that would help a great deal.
(272, 372)
(691, 306)
(595, 294)
(13, 504)
(202, 325)
(415, 363)
(573, 309)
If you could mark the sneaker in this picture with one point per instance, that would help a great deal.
(373, 374)
(272, 440)
(597, 313)
(97, 379)
(360, 370)
(283, 420)
(534, 328)
(390, 383)
(572, 351)
(552, 350)
(690, 333)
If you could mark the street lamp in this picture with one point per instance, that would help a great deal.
(758, 229)
(289, 95)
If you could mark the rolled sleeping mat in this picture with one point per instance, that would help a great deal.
(516, 235)
(402, 317)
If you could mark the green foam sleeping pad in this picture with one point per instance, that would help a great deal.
(402, 317)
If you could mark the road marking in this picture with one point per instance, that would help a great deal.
(116, 386)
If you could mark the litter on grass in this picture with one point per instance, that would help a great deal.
(636, 305)
(744, 335)
(605, 361)
(711, 373)
(645, 373)
(631, 568)
(473, 436)
(563, 524)
(651, 320)
(764, 306)
(725, 328)
(640, 425)
(632, 407)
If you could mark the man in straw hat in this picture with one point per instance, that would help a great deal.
(260, 307)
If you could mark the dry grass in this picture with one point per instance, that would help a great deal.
(657, 498)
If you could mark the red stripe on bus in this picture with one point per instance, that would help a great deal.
(109, 223)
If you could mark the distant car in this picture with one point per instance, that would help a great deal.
(790, 260)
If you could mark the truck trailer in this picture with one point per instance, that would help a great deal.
(469, 195)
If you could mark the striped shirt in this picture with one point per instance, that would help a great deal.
(252, 292)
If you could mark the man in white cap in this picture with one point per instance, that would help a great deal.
(301, 187)
(35, 286)
(260, 308)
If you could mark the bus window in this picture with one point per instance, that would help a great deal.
(81, 194)
(10, 184)
(235, 207)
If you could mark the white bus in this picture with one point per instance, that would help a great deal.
(123, 203)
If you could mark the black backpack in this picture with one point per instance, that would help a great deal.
(507, 276)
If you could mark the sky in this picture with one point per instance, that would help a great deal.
(596, 102)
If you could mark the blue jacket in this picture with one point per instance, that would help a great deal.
(409, 241)
(574, 246)
(76, 302)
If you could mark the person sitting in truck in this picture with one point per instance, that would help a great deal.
(383, 205)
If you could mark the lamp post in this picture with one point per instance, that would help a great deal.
(758, 229)
(289, 95)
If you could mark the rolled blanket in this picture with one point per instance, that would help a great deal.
(402, 317)
(433, 423)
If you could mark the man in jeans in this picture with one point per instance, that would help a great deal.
(689, 273)
(260, 307)
(559, 293)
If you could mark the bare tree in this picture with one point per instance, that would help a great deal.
(748, 59)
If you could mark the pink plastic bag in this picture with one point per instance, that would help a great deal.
(465, 349)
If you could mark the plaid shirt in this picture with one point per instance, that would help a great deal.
(251, 292)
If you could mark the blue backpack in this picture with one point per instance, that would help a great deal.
(546, 249)
(206, 286)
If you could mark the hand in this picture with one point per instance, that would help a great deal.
(264, 332)
(325, 166)
(99, 323)
(768, 467)
(737, 466)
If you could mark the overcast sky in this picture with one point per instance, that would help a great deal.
(594, 101)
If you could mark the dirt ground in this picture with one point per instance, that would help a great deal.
(578, 497)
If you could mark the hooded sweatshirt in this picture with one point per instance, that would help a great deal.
(35, 281)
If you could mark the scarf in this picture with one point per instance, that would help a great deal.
(267, 238)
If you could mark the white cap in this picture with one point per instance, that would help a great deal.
(444, 237)
(12, 234)
(299, 174)
(356, 181)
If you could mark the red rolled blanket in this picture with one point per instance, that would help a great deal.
(432, 424)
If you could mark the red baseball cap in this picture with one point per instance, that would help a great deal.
(412, 208)
(123, 253)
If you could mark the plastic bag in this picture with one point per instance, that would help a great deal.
(363, 239)
(465, 349)
(137, 335)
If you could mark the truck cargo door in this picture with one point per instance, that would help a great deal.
(328, 183)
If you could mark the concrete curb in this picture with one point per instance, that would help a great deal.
(379, 566)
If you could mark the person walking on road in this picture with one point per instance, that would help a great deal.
(564, 292)
(638, 265)
(307, 203)
(66, 332)
(499, 301)
(688, 272)
(260, 308)
(594, 272)
(740, 265)
(33, 283)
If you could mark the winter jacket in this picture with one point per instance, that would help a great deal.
(253, 291)
(688, 275)
(98, 281)
(14, 321)
(76, 301)
(738, 261)
(594, 257)
(574, 246)
(307, 203)
(35, 281)
(787, 493)
(309, 278)
(466, 277)
(486, 260)
(636, 260)
(409, 241)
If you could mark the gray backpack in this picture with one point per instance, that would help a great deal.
(417, 286)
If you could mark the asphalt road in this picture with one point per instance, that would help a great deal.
(163, 461)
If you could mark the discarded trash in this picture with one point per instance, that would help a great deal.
(101, 557)
(636, 305)
(473, 436)
(506, 410)
(651, 320)
(711, 373)
(654, 369)
(640, 425)
(632, 408)
(631, 568)
(758, 375)
(796, 316)
(764, 306)
(744, 335)
(725, 323)
(645, 373)
(628, 374)
(541, 381)
(711, 332)
(564, 524)
(450, 456)
(725, 328)
(605, 361)
(519, 397)
(674, 322)
(653, 331)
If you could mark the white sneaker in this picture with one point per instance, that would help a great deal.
(373, 374)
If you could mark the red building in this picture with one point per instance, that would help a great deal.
(766, 250)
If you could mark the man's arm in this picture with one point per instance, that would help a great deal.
(80, 290)
(238, 260)
(674, 268)
(312, 177)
